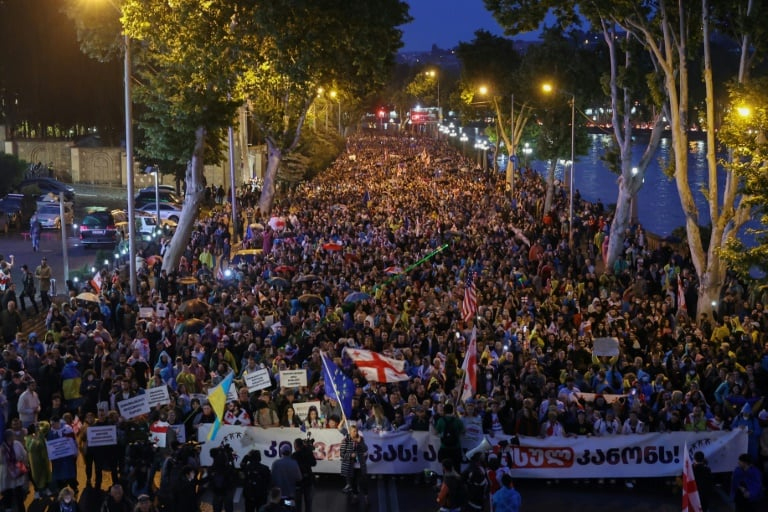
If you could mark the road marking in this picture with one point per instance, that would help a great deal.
(393, 505)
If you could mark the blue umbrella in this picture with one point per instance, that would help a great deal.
(356, 297)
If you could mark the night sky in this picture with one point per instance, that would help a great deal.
(446, 22)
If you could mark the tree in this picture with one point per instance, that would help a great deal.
(12, 170)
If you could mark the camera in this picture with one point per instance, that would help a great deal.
(309, 441)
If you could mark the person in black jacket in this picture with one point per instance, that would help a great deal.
(257, 477)
(303, 453)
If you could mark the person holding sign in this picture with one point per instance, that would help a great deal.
(63, 461)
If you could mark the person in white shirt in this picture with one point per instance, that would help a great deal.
(608, 426)
(633, 425)
(29, 405)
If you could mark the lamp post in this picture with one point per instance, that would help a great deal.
(129, 166)
(153, 170)
(512, 159)
(434, 74)
(547, 88)
(335, 95)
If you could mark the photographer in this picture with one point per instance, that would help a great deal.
(275, 503)
(257, 477)
(304, 455)
(286, 473)
(221, 478)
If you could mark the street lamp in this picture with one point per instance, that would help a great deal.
(334, 95)
(151, 169)
(548, 89)
(434, 74)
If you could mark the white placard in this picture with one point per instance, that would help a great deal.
(605, 347)
(160, 310)
(158, 396)
(61, 447)
(132, 407)
(293, 378)
(181, 433)
(146, 312)
(101, 435)
(302, 409)
(257, 380)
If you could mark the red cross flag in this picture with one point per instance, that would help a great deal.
(470, 368)
(97, 282)
(691, 501)
(376, 367)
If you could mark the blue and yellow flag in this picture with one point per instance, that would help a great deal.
(218, 399)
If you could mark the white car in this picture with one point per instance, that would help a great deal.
(168, 211)
(49, 215)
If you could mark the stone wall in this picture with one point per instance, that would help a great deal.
(106, 166)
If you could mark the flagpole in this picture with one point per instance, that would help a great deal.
(333, 385)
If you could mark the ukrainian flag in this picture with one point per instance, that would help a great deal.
(218, 399)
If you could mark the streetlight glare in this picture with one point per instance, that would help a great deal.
(547, 88)
(744, 111)
(483, 90)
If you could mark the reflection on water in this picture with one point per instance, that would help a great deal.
(659, 203)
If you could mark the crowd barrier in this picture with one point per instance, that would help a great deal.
(389, 453)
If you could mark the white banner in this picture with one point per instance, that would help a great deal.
(622, 456)
(293, 378)
(134, 406)
(158, 396)
(61, 447)
(257, 380)
(101, 435)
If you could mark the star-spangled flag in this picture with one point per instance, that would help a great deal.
(469, 304)
(376, 367)
(337, 385)
(691, 499)
(470, 368)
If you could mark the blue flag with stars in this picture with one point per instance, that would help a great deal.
(337, 385)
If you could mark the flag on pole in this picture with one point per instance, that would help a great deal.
(691, 500)
(469, 304)
(218, 399)
(681, 306)
(337, 385)
(97, 282)
(376, 367)
(470, 368)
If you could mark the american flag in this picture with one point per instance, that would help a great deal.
(469, 304)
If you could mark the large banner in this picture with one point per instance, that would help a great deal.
(621, 456)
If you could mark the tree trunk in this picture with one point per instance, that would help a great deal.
(274, 156)
(192, 199)
(550, 187)
(620, 223)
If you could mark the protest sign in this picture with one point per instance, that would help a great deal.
(101, 435)
(293, 378)
(302, 409)
(61, 447)
(132, 407)
(158, 396)
(257, 380)
(146, 312)
(608, 347)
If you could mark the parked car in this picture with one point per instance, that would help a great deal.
(145, 197)
(98, 228)
(160, 188)
(49, 186)
(49, 215)
(14, 205)
(168, 211)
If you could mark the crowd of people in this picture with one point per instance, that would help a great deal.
(408, 223)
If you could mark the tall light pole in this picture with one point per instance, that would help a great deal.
(512, 159)
(335, 96)
(436, 75)
(129, 167)
(547, 88)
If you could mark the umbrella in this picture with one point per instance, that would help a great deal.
(190, 325)
(88, 297)
(393, 270)
(311, 298)
(308, 278)
(244, 255)
(187, 280)
(332, 246)
(256, 225)
(356, 297)
(154, 259)
(284, 268)
(279, 282)
(193, 306)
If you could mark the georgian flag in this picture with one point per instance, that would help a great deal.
(97, 282)
(681, 306)
(691, 500)
(376, 367)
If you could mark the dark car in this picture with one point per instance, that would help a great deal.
(17, 207)
(49, 186)
(146, 197)
(98, 228)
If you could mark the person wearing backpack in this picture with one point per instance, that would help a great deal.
(453, 492)
(475, 478)
(450, 429)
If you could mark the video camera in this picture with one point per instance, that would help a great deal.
(309, 441)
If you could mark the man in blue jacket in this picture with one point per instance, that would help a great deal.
(746, 485)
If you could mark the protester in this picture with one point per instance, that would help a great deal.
(506, 499)
(354, 462)
(746, 485)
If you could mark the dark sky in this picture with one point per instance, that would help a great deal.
(446, 22)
